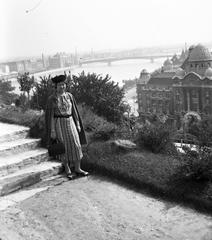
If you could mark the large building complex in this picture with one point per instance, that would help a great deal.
(175, 92)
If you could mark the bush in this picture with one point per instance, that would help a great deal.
(104, 96)
(196, 166)
(37, 130)
(101, 128)
(155, 138)
(22, 102)
(6, 92)
(202, 130)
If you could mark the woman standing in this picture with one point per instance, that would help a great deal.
(64, 123)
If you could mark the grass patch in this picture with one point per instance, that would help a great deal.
(154, 173)
(15, 115)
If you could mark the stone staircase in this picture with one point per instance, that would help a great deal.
(22, 161)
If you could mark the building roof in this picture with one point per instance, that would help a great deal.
(144, 71)
(199, 53)
(180, 73)
(167, 74)
(164, 78)
(161, 81)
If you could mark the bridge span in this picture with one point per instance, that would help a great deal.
(109, 60)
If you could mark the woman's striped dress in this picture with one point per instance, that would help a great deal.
(66, 130)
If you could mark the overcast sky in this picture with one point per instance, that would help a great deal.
(30, 27)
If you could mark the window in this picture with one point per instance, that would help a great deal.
(194, 93)
(178, 98)
(194, 107)
(207, 94)
(207, 101)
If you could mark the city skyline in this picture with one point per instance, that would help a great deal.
(32, 27)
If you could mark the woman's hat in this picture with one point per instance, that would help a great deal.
(58, 79)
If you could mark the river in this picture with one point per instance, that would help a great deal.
(119, 71)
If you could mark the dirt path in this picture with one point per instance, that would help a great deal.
(96, 209)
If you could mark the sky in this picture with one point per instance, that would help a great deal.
(33, 27)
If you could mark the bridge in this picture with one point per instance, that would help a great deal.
(109, 60)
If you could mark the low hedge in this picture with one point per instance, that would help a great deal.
(154, 173)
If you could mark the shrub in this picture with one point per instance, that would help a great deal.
(196, 165)
(202, 130)
(155, 138)
(6, 92)
(101, 128)
(104, 96)
(37, 130)
(22, 102)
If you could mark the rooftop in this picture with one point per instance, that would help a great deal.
(199, 53)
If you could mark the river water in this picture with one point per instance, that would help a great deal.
(118, 71)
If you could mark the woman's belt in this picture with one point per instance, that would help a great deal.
(62, 116)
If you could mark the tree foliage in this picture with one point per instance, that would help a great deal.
(6, 92)
(104, 96)
(42, 91)
(202, 130)
(26, 82)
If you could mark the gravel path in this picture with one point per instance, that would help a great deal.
(94, 208)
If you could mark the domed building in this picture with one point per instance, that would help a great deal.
(144, 77)
(193, 91)
(187, 89)
(199, 59)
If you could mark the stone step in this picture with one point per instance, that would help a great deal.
(28, 176)
(14, 135)
(7, 128)
(18, 145)
(13, 163)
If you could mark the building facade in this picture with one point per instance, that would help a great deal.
(176, 92)
(60, 60)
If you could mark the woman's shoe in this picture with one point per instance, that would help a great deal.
(82, 173)
(71, 176)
